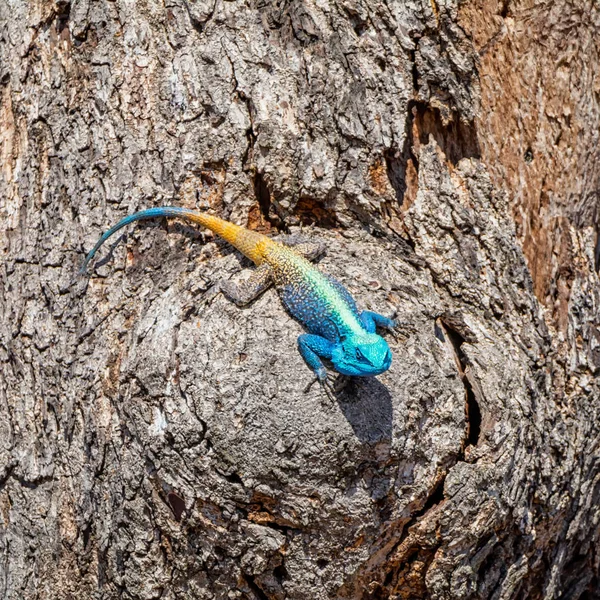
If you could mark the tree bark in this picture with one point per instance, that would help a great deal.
(156, 441)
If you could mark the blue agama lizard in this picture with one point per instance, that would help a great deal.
(337, 330)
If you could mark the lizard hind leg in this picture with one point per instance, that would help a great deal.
(247, 290)
(310, 250)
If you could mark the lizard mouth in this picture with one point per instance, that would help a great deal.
(365, 370)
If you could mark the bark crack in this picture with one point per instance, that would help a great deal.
(251, 582)
(200, 24)
(472, 409)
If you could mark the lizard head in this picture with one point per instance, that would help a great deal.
(362, 354)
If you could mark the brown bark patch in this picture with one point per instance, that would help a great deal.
(539, 113)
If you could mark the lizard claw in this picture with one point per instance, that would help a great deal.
(400, 329)
(310, 384)
(329, 390)
(326, 386)
(395, 334)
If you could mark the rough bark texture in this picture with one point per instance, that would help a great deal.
(156, 441)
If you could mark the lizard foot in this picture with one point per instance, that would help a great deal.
(326, 386)
(401, 330)
(330, 392)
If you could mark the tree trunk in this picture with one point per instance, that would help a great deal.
(156, 440)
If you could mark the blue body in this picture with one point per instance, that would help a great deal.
(338, 331)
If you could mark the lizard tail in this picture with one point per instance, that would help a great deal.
(249, 243)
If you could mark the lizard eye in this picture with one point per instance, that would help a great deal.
(360, 356)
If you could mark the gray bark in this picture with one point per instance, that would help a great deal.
(156, 440)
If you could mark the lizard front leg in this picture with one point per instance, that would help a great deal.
(371, 320)
(247, 290)
(312, 349)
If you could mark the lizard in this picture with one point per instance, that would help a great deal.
(336, 329)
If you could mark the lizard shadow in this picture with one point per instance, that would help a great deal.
(367, 405)
(111, 251)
